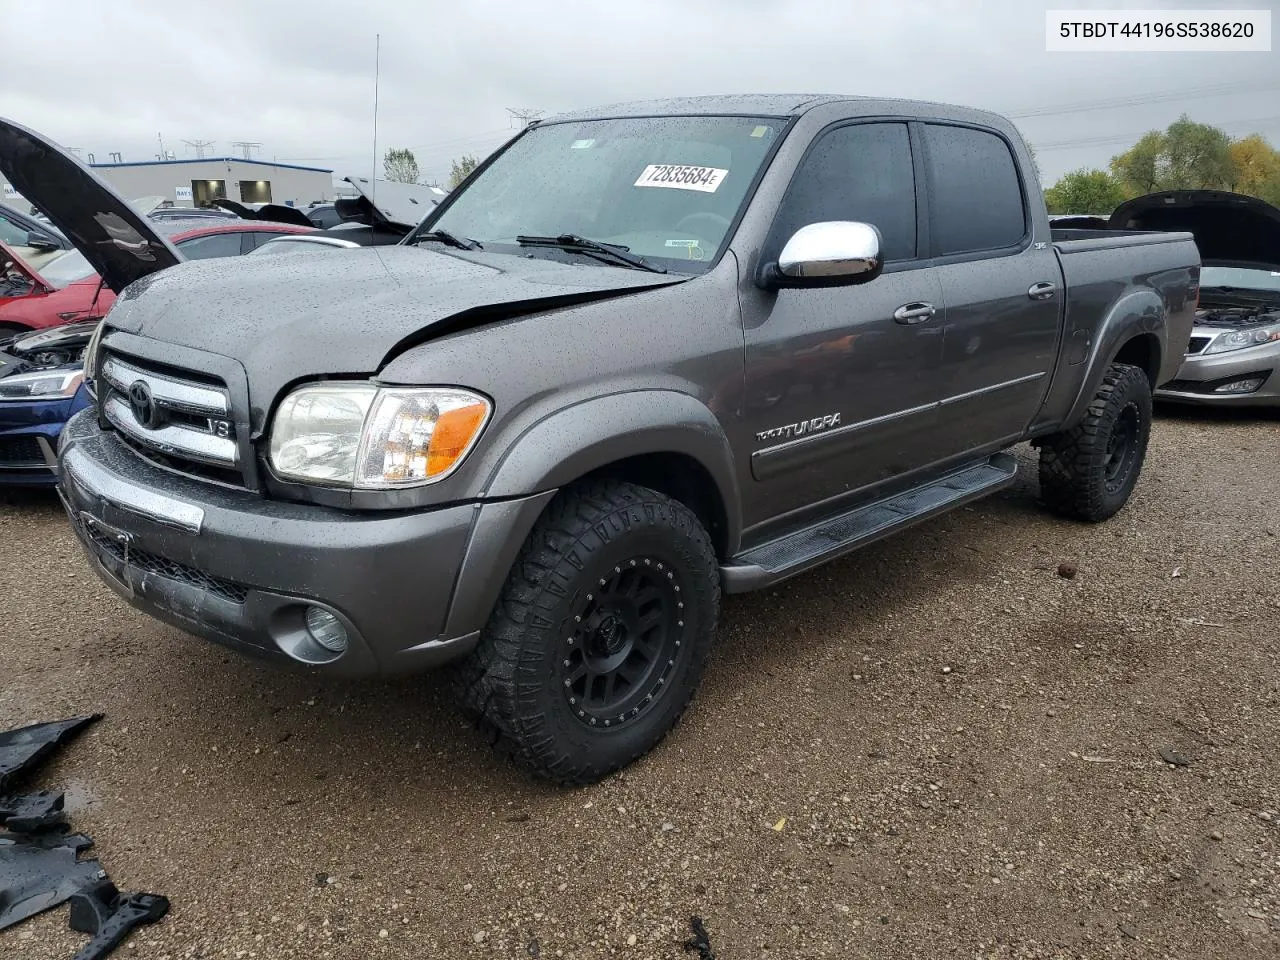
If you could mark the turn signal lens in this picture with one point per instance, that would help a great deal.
(453, 435)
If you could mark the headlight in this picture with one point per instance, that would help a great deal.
(1239, 339)
(365, 436)
(47, 384)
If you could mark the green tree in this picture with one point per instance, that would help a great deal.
(400, 165)
(461, 168)
(1085, 191)
(1138, 168)
(1197, 156)
(1185, 156)
(1257, 166)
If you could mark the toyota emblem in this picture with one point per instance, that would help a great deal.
(143, 404)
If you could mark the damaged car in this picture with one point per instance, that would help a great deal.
(41, 386)
(1233, 358)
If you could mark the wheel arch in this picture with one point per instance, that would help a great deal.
(1134, 331)
(662, 439)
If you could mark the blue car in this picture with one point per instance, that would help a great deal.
(41, 386)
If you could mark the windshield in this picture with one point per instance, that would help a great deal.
(668, 188)
(1246, 278)
(68, 268)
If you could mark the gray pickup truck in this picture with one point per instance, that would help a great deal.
(644, 355)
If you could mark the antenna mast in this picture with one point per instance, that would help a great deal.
(377, 69)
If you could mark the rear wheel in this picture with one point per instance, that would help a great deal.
(1088, 472)
(601, 635)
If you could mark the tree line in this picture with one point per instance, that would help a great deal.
(1185, 156)
(401, 166)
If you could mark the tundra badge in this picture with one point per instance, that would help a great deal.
(793, 430)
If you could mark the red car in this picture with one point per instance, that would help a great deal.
(67, 288)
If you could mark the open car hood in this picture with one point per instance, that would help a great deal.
(10, 261)
(117, 240)
(1228, 227)
(388, 202)
(270, 212)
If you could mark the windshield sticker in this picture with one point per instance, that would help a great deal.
(704, 179)
(582, 144)
(693, 250)
(759, 131)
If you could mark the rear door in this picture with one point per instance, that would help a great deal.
(839, 394)
(1003, 292)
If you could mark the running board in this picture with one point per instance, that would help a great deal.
(805, 549)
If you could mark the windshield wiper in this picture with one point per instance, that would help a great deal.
(576, 244)
(449, 240)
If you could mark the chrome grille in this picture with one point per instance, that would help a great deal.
(186, 419)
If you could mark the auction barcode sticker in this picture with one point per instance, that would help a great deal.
(1115, 31)
(706, 179)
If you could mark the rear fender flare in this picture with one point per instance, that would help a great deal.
(1137, 313)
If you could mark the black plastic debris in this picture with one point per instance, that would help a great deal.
(110, 916)
(700, 942)
(39, 873)
(22, 749)
(40, 862)
(29, 812)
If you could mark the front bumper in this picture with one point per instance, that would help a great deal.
(232, 567)
(29, 432)
(1200, 376)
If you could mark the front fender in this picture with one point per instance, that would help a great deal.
(574, 441)
(562, 447)
(1138, 313)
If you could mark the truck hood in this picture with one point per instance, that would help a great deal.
(120, 242)
(349, 311)
(1230, 228)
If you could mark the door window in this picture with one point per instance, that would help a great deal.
(211, 245)
(859, 172)
(975, 195)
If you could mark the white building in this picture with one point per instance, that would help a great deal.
(196, 182)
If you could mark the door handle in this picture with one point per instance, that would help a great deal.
(1043, 290)
(917, 312)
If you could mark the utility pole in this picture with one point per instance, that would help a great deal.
(198, 146)
(246, 147)
(525, 116)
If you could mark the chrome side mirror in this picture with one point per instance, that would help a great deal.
(828, 254)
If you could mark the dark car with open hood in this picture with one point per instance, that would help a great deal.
(643, 356)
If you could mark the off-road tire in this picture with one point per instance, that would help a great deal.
(595, 537)
(1088, 472)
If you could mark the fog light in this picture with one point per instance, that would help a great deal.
(1241, 386)
(326, 630)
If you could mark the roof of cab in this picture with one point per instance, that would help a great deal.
(772, 105)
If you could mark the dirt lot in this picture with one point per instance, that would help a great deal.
(938, 747)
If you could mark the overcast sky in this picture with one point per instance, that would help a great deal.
(297, 75)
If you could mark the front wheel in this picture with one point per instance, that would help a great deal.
(601, 635)
(1088, 472)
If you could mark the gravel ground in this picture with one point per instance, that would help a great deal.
(937, 747)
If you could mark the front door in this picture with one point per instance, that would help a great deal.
(1003, 294)
(840, 395)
